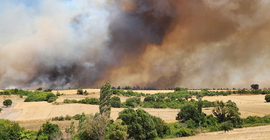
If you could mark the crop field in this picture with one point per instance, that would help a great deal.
(31, 115)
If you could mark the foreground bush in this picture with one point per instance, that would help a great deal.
(49, 131)
(116, 131)
(184, 132)
(139, 122)
(226, 126)
(267, 98)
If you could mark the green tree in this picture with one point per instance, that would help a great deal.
(94, 127)
(227, 112)
(105, 98)
(48, 131)
(161, 127)
(187, 112)
(267, 98)
(71, 130)
(7, 102)
(116, 131)
(255, 86)
(139, 122)
(226, 126)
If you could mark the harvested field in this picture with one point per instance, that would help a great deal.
(249, 105)
(43, 111)
(250, 133)
(31, 111)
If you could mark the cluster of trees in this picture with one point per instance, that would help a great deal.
(93, 101)
(41, 96)
(226, 114)
(127, 93)
(12, 131)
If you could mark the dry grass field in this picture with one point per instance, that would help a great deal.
(250, 133)
(31, 115)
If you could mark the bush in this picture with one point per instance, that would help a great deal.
(0, 109)
(55, 119)
(115, 104)
(131, 102)
(48, 90)
(115, 98)
(6, 92)
(77, 117)
(68, 117)
(267, 98)
(52, 99)
(7, 102)
(184, 132)
(61, 118)
(47, 131)
(58, 94)
(39, 89)
(149, 99)
(226, 126)
(80, 91)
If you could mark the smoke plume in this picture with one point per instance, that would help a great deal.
(165, 43)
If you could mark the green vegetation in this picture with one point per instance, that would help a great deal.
(41, 96)
(116, 131)
(7, 102)
(93, 101)
(267, 98)
(105, 99)
(49, 131)
(226, 126)
(255, 86)
(135, 120)
(0, 110)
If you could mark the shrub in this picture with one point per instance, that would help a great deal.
(49, 95)
(39, 89)
(77, 117)
(80, 91)
(131, 102)
(226, 126)
(267, 98)
(6, 92)
(115, 98)
(149, 99)
(115, 104)
(47, 131)
(0, 109)
(48, 90)
(7, 102)
(52, 99)
(58, 94)
(116, 131)
(61, 118)
(184, 132)
(68, 117)
(55, 118)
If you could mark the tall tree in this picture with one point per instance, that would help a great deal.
(105, 99)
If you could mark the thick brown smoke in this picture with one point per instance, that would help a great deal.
(164, 43)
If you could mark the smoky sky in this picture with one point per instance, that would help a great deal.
(187, 43)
